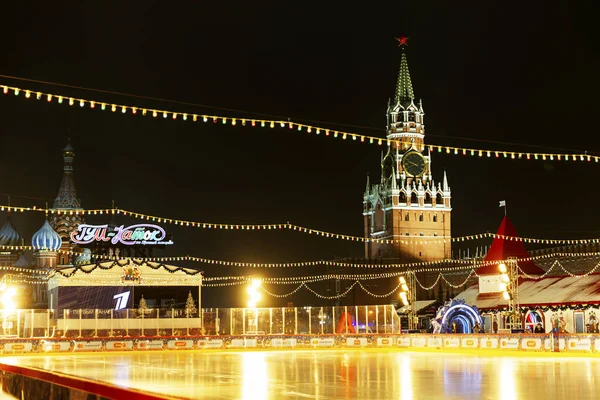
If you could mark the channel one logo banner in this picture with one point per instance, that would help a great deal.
(101, 297)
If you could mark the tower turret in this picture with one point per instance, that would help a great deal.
(64, 220)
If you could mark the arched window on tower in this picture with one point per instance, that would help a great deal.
(406, 217)
(413, 199)
(434, 217)
(411, 116)
(378, 218)
(421, 217)
(402, 197)
(438, 199)
(428, 198)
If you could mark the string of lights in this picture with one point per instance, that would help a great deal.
(293, 227)
(271, 123)
(437, 280)
(456, 286)
(281, 295)
(394, 290)
(335, 296)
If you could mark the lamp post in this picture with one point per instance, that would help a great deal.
(510, 291)
(408, 292)
(254, 298)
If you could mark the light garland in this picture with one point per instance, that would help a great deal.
(175, 115)
(288, 226)
(336, 296)
(379, 295)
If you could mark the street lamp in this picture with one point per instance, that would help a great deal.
(408, 294)
(403, 291)
(7, 297)
(510, 290)
(253, 292)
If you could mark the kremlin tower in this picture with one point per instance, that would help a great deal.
(407, 206)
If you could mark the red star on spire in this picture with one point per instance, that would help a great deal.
(402, 41)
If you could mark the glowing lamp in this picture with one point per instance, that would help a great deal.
(405, 287)
(402, 280)
(506, 295)
(502, 267)
(505, 277)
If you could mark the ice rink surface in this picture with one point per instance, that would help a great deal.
(333, 374)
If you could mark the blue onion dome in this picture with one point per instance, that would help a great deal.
(84, 258)
(46, 239)
(9, 235)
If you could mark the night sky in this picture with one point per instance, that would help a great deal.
(494, 74)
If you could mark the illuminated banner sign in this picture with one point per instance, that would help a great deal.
(145, 234)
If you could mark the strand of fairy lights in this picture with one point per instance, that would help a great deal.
(293, 227)
(431, 266)
(304, 283)
(192, 117)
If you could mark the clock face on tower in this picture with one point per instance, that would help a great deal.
(413, 163)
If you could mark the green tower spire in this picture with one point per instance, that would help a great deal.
(404, 89)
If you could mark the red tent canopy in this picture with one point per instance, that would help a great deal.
(502, 248)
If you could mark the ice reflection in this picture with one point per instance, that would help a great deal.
(462, 378)
(506, 384)
(333, 374)
(254, 376)
(406, 389)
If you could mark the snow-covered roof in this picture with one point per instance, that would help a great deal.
(552, 290)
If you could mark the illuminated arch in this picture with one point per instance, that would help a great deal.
(459, 312)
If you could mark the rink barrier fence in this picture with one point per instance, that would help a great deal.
(487, 342)
(32, 383)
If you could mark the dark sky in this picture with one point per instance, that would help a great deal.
(494, 71)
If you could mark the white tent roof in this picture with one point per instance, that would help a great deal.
(552, 290)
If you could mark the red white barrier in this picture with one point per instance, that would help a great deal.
(180, 344)
(322, 342)
(435, 342)
(284, 342)
(452, 342)
(469, 343)
(87, 345)
(385, 341)
(529, 343)
(356, 341)
(18, 347)
(153, 344)
(579, 344)
(488, 343)
(210, 343)
(51, 346)
(119, 345)
(238, 343)
(509, 343)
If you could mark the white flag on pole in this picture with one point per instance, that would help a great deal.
(502, 203)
